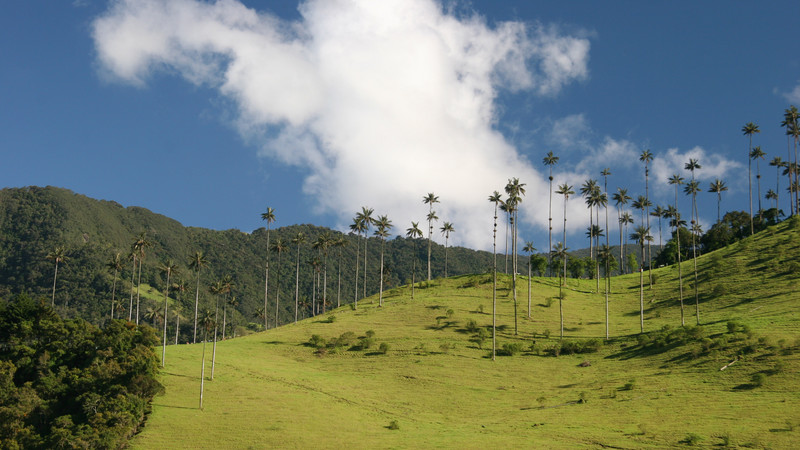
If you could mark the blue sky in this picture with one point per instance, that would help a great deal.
(209, 113)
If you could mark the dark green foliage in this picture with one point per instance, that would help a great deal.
(733, 227)
(510, 349)
(66, 383)
(758, 379)
(576, 346)
(383, 348)
(393, 425)
(691, 439)
(35, 220)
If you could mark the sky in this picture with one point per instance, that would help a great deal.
(210, 112)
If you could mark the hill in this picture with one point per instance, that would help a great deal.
(417, 373)
(35, 220)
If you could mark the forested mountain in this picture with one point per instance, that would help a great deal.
(36, 220)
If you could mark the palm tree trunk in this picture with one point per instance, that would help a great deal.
(365, 266)
(177, 326)
(380, 288)
(55, 275)
(138, 283)
(529, 287)
(130, 307)
(196, 303)
(113, 293)
(514, 270)
(278, 289)
(358, 255)
(164, 336)
(266, 279)
(297, 284)
(550, 226)
(494, 286)
(203, 369)
(641, 289)
(224, 318)
(214, 347)
(694, 254)
(339, 282)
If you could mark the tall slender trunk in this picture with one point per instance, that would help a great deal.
(365, 265)
(380, 288)
(55, 275)
(266, 278)
(196, 303)
(297, 284)
(550, 226)
(678, 242)
(339, 282)
(413, 270)
(203, 369)
(494, 285)
(621, 248)
(641, 288)
(529, 287)
(138, 283)
(446, 238)
(505, 254)
(694, 256)
(564, 282)
(214, 347)
(649, 249)
(358, 260)
(325, 284)
(608, 257)
(278, 290)
(113, 293)
(224, 318)
(758, 184)
(164, 336)
(177, 326)
(514, 268)
(130, 306)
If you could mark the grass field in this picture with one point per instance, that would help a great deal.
(435, 386)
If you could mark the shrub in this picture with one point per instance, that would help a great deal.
(472, 326)
(450, 313)
(548, 302)
(331, 318)
(629, 386)
(691, 439)
(369, 334)
(511, 349)
(758, 379)
(384, 348)
(317, 341)
(480, 337)
(480, 309)
(366, 343)
(393, 425)
(346, 339)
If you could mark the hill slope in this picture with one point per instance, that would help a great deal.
(435, 386)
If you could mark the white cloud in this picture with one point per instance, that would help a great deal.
(713, 166)
(794, 95)
(381, 101)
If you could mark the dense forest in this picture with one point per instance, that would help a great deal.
(36, 220)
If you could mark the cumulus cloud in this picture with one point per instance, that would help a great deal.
(673, 162)
(382, 101)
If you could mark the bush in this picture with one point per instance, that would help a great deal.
(331, 318)
(346, 339)
(691, 439)
(510, 349)
(758, 379)
(480, 337)
(629, 386)
(369, 334)
(573, 347)
(384, 348)
(393, 425)
(472, 326)
(317, 341)
(366, 343)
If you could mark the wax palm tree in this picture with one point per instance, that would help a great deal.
(772, 195)
(790, 121)
(566, 191)
(340, 243)
(114, 265)
(179, 288)
(298, 240)
(446, 229)
(227, 288)
(132, 257)
(413, 233)
(604, 253)
(269, 217)
(357, 227)
(207, 320)
(497, 200)
(607, 255)
(529, 248)
(506, 208)
(366, 220)
(693, 188)
(315, 264)
(58, 255)
(550, 160)
(640, 235)
(322, 244)
(216, 289)
(560, 252)
(429, 200)
(383, 225)
(515, 191)
(620, 198)
(646, 157)
(139, 246)
(756, 154)
(598, 199)
(278, 246)
(168, 267)
(624, 221)
(748, 130)
(197, 262)
(587, 190)
(676, 222)
(778, 163)
(718, 186)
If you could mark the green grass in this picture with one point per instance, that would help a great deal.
(435, 387)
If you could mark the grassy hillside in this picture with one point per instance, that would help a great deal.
(434, 386)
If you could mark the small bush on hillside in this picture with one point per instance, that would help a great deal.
(480, 309)
(548, 302)
(629, 386)
(573, 347)
(366, 343)
(369, 334)
(480, 337)
(691, 439)
(510, 349)
(317, 341)
(346, 339)
(450, 313)
(384, 348)
(331, 318)
(472, 326)
(393, 425)
(758, 379)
